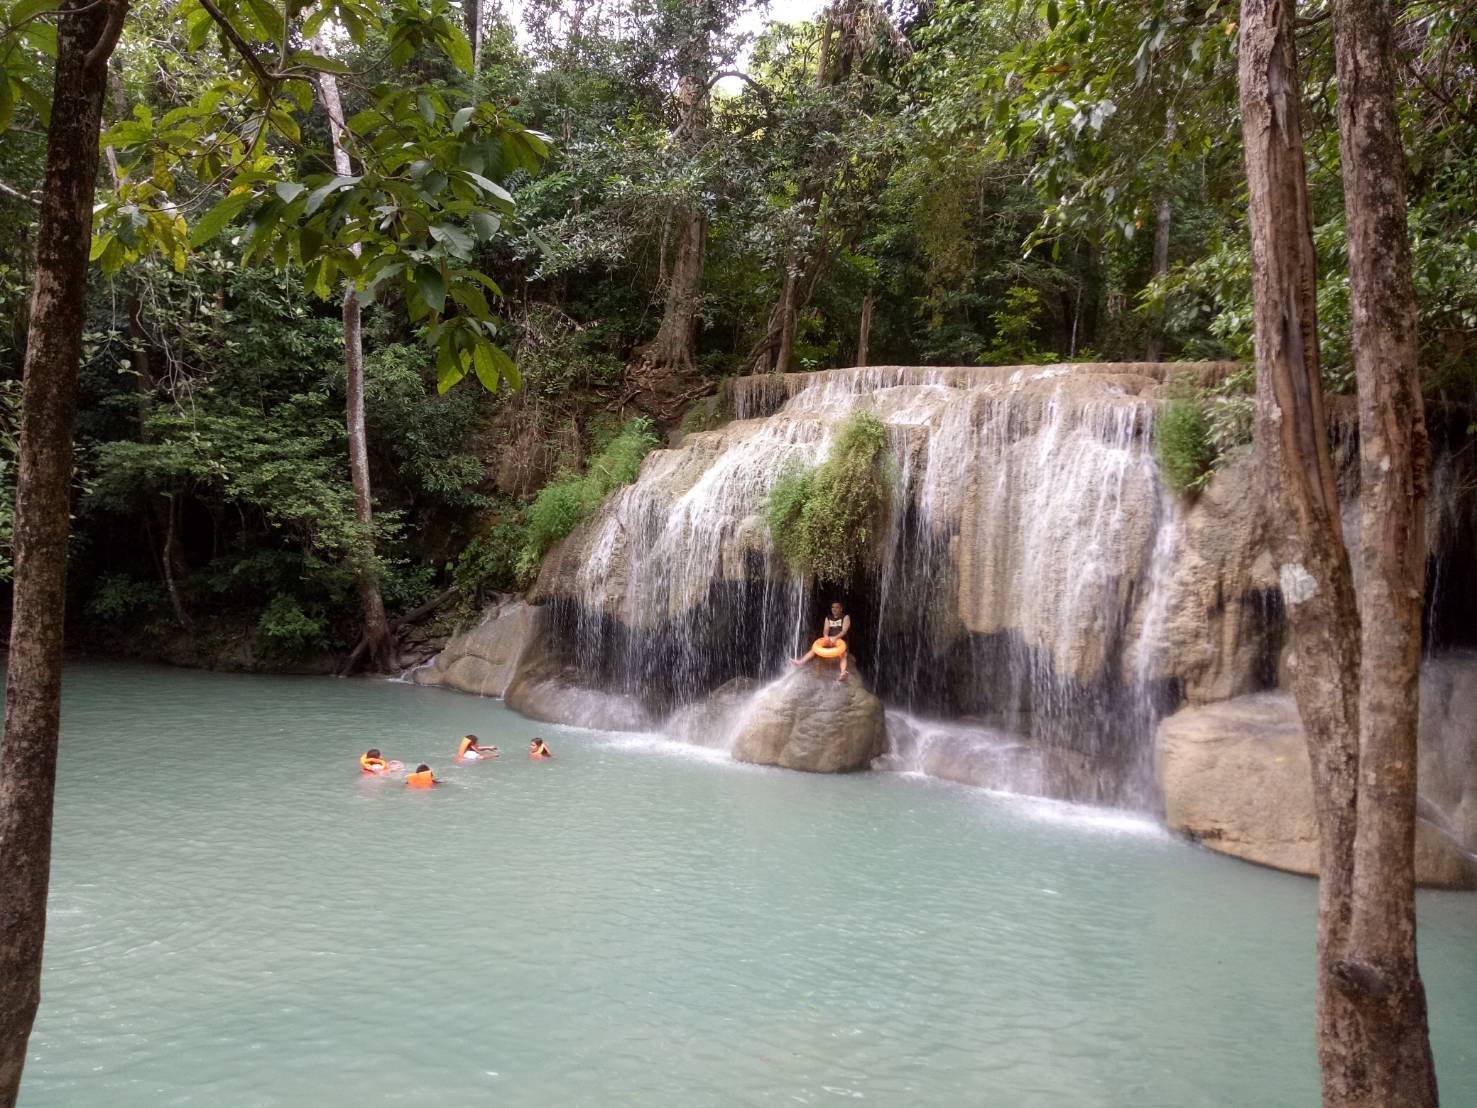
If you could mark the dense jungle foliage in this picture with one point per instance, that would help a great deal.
(678, 191)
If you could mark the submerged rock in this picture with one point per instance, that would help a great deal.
(1236, 777)
(810, 721)
(484, 659)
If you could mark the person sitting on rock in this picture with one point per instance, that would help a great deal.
(834, 630)
(537, 750)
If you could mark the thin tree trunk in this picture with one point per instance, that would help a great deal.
(377, 646)
(472, 11)
(86, 35)
(1291, 432)
(1382, 976)
(787, 322)
(172, 559)
(1160, 266)
(864, 329)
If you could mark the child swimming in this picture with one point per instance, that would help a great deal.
(537, 750)
(422, 778)
(470, 751)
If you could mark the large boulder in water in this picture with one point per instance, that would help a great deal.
(1235, 777)
(810, 721)
(547, 690)
(484, 659)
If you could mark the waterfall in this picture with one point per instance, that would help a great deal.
(1011, 612)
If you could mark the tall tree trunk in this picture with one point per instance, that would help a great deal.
(787, 321)
(864, 329)
(1162, 222)
(672, 351)
(1291, 432)
(376, 648)
(472, 12)
(86, 35)
(1382, 976)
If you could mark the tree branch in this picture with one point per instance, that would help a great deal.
(102, 49)
(19, 197)
(268, 79)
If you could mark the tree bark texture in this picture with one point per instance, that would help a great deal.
(1291, 433)
(87, 34)
(1382, 974)
(376, 648)
(864, 328)
(787, 321)
(1163, 220)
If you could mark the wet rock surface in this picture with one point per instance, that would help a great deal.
(484, 659)
(1236, 778)
(808, 720)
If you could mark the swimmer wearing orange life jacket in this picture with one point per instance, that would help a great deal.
(422, 778)
(538, 751)
(469, 751)
(371, 761)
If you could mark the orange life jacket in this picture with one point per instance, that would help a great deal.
(467, 744)
(541, 752)
(371, 765)
(421, 780)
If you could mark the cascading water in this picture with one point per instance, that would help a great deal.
(1015, 591)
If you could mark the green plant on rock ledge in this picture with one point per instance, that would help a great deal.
(822, 517)
(1182, 439)
(565, 502)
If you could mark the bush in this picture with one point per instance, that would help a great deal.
(821, 518)
(289, 631)
(118, 598)
(566, 501)
(1182, 441)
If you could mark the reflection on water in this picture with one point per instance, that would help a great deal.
(238, 919)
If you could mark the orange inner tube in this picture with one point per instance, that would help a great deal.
(824, 651)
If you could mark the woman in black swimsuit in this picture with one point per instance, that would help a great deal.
(835, 629)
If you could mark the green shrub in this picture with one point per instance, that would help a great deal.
(118, 598)
(1182, 442)
(289, 631)
(566, 501)
(490, 561)
(821, 518)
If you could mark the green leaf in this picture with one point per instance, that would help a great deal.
(309, 60)
(507, 369)
(427, 109)
(459, 121)
(432, 287)
(458, 49)
(286, 126)
(28, 8)
(453, 238)
(321, 193)
(214, 220)
(268, 18)
(7, 99)
(486, 368)
(98, 246)
(486, 224)
(490, 186)
(289, 190)
(1053, 15)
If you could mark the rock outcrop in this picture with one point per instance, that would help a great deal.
(810, 721)
(1235, 776)
(546, 690)
(484, 659)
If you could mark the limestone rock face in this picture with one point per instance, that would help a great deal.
(1208, 620)
(482, 660)
(711, 721)
(545, 690)
(810, 721)
(1236, 778)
